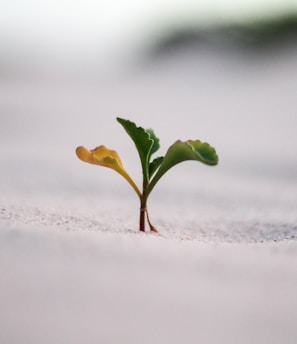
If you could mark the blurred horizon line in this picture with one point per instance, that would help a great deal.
(271, 32)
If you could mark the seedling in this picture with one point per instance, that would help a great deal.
(147, 144)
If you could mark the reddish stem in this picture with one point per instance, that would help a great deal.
(142, 219)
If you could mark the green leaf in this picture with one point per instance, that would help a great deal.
(154, 165)
(156, 144)
(182, 151)
(145, 141)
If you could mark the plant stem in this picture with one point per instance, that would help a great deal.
(143, 200)
(142, 218)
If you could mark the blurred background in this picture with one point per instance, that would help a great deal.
(217, 70)
(94, 38)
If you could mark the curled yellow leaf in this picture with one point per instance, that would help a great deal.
(105, 157)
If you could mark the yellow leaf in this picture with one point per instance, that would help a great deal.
(105, 157)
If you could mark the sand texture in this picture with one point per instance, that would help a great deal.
(75, 269)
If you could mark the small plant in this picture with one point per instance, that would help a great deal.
(147, 144)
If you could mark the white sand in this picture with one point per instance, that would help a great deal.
(74, 268)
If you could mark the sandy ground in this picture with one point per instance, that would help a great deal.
(74, 268)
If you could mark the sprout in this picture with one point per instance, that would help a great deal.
(147, 144)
